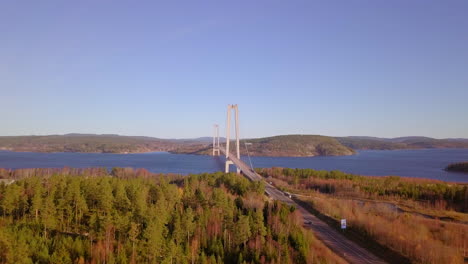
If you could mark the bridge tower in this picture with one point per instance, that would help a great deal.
(228, 135)
(216, 150)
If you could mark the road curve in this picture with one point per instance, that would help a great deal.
(342, 246)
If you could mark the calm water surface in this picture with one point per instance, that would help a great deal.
(411, 163)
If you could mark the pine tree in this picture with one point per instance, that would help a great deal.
(243, 232)
(121, 201)
(10, 199)
(133, 236)
(48, 215)
(189, 224)
(155, 243)
(106, 197)
(37, 201)
(18, 251)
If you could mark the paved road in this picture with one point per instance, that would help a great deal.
(344, 247)
(333, 239)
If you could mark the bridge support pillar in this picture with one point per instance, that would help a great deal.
(228, 134)
(216, 151)
(226, 169)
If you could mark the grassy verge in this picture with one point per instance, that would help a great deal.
(358, 236)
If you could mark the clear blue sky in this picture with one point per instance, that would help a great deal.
(367, 67)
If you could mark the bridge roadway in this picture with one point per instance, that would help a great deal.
(342, 246)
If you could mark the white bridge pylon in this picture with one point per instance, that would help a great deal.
(216, 148)
(216, 151)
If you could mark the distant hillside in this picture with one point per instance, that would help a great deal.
(283, 146)
(401, 143)
(86, 143)
(369, 143)
(279, 146)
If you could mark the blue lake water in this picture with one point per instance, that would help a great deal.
(428, 163)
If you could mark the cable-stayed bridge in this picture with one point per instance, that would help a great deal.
(337, 242)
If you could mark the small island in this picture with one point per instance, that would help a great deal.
(458, 167)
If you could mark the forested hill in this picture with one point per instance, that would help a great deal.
(283, 146)
(298, 145)
(401, 143)
(86, 143)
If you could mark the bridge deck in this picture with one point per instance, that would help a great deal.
(245, 169)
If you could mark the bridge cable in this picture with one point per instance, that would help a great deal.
(248, 154)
